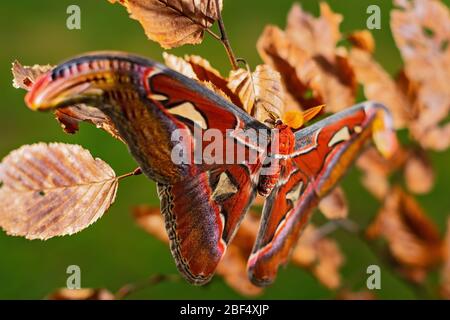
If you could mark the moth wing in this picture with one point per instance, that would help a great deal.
(323, 153)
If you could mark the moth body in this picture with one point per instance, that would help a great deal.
(283, 143)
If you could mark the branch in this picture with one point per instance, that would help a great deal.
(224, 38)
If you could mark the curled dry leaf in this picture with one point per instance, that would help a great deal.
(298, 71)
(53, 189)
(69, 117)
(445, 272)
(320, 255)
(334, 205)
(313, 71)
(378, 85)
(260, 92)
(421, 30)
(412, 237)
(173, 23)
(336, 81)
(419, 174)
(81, 294)
(233, 267)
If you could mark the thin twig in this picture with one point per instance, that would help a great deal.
(131, 288)
(224, 38)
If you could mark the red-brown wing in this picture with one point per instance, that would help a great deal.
(323, 153)
(202, 214)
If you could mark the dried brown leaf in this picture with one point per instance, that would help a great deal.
(412, 237)
(81, 294)
(421, 30)
(25, 76)
(52, 190)
(436, 138)
(377, 169)
(376, 184)
(314, 35)
(70, 117)
(173, 23)
(314, 71)
(261, 92)
(298, 71)
(334, 205)
(180, 65)
(379, 86)
(419, 174)
(320, 255)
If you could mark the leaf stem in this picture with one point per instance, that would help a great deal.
(135, 172)
(224, 38)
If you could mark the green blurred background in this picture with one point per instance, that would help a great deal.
(114, 251)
